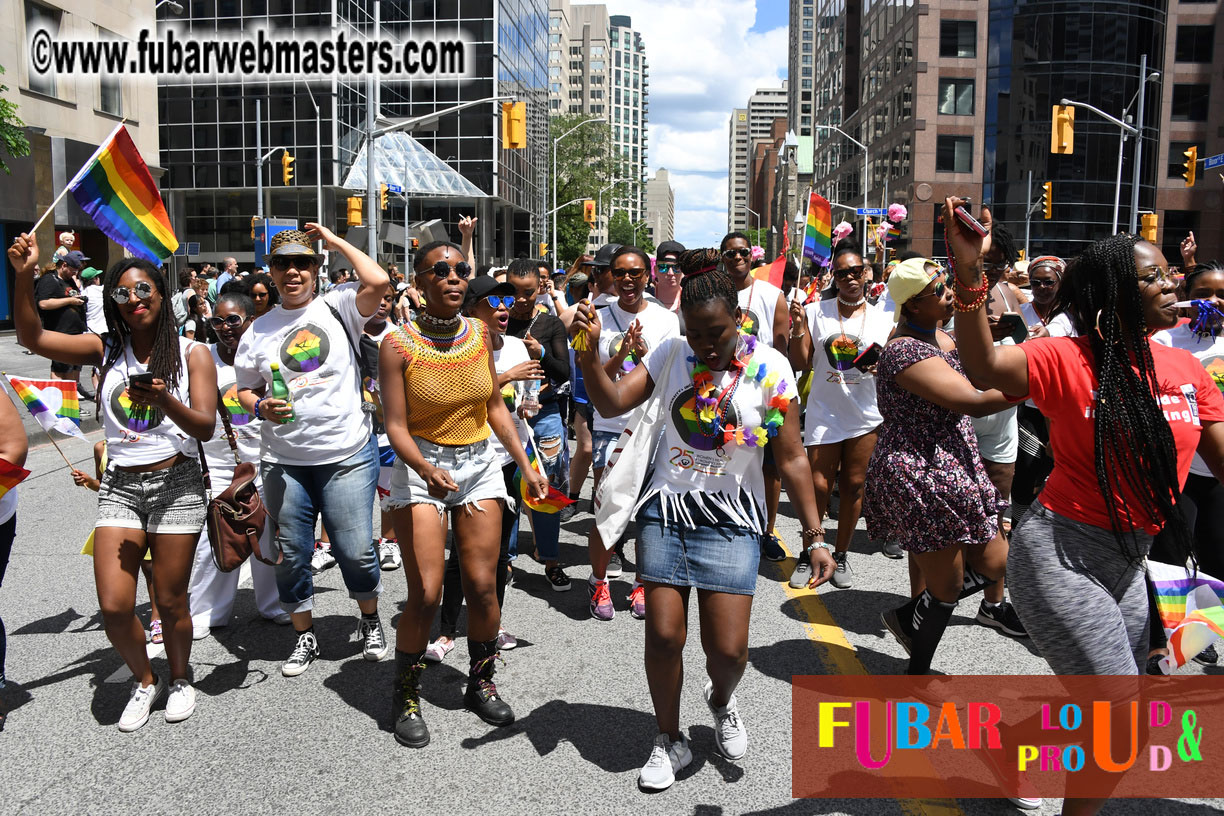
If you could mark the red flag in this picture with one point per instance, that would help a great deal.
(785, 241)
(773, 273)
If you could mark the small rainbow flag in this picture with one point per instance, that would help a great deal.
(552, 503)
(894, 232)
(1190, 611)
(53, 403)
(117, 191)
(818, 237)
(10, 476)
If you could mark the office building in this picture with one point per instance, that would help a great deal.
(660, 208)
(801, 66)
(749, 126)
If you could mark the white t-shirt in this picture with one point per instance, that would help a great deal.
(512, 353)
(687, 462)
(759, 301)
(136, 436)
(841, 402)
(608, 300)
(1210, 352)
(372, 385)
(1061, 326)
(246, 429)
(95, 317)
(658, 325)
(316, 362)
(8, 505)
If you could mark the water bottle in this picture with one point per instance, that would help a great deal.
(280, 391)
(531, 398)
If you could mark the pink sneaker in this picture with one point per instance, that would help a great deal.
(601, 600)
(637, 602)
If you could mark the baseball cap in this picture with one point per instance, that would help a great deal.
(673, 248)
(604, 256)
(76, 259)
(483, 286)
(908, 278)
(89, 273)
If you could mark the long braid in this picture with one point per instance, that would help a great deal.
(1134, 444)
(165, 362)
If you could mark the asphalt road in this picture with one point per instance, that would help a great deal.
(321, 742)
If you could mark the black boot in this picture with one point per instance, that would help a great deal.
(930, 619)
(410, 727)
(481, 696)
(974, 582)
(899, 621)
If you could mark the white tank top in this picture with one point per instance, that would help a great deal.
(136, 436)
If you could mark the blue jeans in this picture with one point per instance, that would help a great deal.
(344, 493)
(548, 431)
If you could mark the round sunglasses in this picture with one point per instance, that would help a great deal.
(141, 291)
(497, 302)
(442, 269)
(233, 321)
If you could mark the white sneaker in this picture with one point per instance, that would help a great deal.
(505, 640)
(729, 733)
(136, 712)
(199, 631)
(281, 619)
(181, 703)
(322, 558)
(667, 759)
(374, 643)
(437, 651)
(389, 554)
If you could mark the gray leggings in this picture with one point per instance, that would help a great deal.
(1083, 603)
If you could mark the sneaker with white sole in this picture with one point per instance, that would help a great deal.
(389, 554)
(729, 733)
(140, 703)
(437, 651)
(600, 600)
(667, 759)
(842, 578)
(304, 653)
(615, 568)
(803, 571)
(200, 630)
(893, 550)
(505, 640)
(1002, 617)
(370, 631)
(637, 602)
(557, 578)
(322, 558)
(181, 703)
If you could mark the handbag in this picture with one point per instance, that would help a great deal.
(237, 517)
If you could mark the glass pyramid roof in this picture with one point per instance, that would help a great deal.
(401, 160)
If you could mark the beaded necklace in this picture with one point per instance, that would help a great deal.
(712, 422)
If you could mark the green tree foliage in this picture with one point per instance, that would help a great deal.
(622, 231)
(585, 165)
(12, 136)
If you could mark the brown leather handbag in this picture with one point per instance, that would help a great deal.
(237, 517)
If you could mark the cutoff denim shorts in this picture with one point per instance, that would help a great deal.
(168, 501)
(602, 445)
(473, 467)
(719, 556)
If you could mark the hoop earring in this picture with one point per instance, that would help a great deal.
(1098, 323)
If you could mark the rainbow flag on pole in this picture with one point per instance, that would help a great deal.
(552, 503)
(818, 237)
(53, 403)
(117, 191)
(1190, 611)
(10, 476)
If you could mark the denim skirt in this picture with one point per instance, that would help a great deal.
(719, 554)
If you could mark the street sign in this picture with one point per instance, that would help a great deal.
(1214, 161)
(870, 211)
(395, 188)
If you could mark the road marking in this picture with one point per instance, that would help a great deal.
(840, 657)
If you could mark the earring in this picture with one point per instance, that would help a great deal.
(1098, 323)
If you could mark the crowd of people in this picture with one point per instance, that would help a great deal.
(1031, 428)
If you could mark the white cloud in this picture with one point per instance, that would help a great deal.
(704, 62)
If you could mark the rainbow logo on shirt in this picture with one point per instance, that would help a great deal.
(1215, 367)
(684, 420)
(305, 350)
(229, 398)
(749, 323)
(136, 418)
(841, 350)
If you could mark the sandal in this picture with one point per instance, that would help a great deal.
(155, 631)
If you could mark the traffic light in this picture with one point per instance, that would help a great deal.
(1047, 200)
(254, 221)
(382, 196)
(1191, 165)
(354, 211)
(1147, 227)
(588, 211)
(514, 125)
(287, 167)
(1062, 130)
(543, 249)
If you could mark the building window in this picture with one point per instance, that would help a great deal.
(597, 65)
(1177, 158)
(41, 17)
(958, 38)
(597, 50)
(1195, 43)
(956, 97)
(553, 39)
(954, 154)
(806, 84)
(1190, 102)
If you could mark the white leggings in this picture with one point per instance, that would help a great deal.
(210, 594)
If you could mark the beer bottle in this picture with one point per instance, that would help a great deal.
(280, 391)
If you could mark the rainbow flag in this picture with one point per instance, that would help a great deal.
(552, 503)
(53, 403)
(894, 232)
(773, 273)
(10, 476)
(117, 191)
(1190, 611)
(818, 237)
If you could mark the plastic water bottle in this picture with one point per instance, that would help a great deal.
(280, 391)
(531, 398)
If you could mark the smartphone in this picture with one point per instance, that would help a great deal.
(867, 357)
(969, 221)
(1014, 325)
(146, 379)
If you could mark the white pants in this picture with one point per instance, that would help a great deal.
(210, 594)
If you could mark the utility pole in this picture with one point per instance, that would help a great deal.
(1028, 214)
(1136, 174)
(371, 115)
(259, 207)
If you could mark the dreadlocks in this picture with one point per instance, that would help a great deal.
(1002, 240)
(704, 281)
(165, 361)
(1134, 446)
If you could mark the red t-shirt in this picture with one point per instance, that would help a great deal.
(1063, 387)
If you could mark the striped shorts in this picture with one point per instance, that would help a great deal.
(168, 501)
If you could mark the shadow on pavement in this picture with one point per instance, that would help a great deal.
(57, 624)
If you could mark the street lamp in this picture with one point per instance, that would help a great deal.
(556, 141)
(174, 5)
(318, 162)
(758, 219)
(865, 168)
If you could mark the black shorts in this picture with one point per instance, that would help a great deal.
(584, 408)
(63, 368)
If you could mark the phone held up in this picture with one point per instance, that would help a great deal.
(867, 357)
(963, 215)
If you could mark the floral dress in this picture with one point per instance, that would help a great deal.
(926, 484)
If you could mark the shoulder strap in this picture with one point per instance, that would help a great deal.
(352, 348)
(229, 428)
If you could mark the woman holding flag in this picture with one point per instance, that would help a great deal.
(158, 396)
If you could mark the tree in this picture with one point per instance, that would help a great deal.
(622, 231)
(11, 134)
(585, 165)
(757, 237)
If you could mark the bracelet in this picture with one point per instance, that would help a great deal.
(819, 545)
(969, 288)
(814, 532)
(256, 409)
(977, 303)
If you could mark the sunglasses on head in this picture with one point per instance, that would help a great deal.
(849, 272)
(937, 292)
(233, 321)
(636, 272)
(301, 263)
(497, 302)
(742, 252)
(141, 291)
(442, 269)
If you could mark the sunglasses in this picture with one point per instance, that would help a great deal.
(497, 302)
(442, 269)
(855, 272)
(938, 292)
(743, 252)
(669, 269)
(233, 321)
(302, 263)
(638, 272)
(996, 267)
(1041, 283)
(141, 291)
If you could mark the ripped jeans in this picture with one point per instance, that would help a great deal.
(553, 455)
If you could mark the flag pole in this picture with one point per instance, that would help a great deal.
(48, 433)
(84, 166)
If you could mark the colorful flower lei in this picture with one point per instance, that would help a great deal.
(745, 363)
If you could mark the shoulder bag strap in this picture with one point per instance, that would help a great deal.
(229, 428)
(352, 347)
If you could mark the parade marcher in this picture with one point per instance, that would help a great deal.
(263, 293)
(668, 277)
(436, 381)
(158, 396)
(376, 328)
(318, 451)
(700, 521)
(13, 449)
(60, 306)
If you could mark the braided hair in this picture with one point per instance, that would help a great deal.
(1002, 240)
(1133, 442)
(705, 281)
(165, 361)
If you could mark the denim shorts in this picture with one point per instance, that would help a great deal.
(168, 501)
(473, 467)
(719, 556)
(602, 445)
